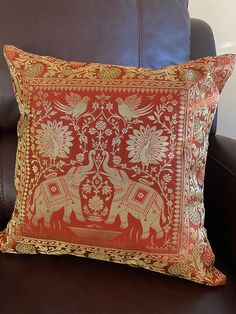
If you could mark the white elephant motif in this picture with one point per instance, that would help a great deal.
(60, 192)
(136, 198)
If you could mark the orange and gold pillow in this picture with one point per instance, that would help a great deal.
(111, 160)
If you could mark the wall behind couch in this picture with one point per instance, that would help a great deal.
(221, 15)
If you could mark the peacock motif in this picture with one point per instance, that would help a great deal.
(147, 145)
(54, 140)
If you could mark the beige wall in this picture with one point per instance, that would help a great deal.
(221, 15)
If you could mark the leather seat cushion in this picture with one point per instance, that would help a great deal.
(71, 285)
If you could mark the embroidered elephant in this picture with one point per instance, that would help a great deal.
(60, 192)
(136, 198)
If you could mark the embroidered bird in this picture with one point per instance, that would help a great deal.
(129, 107)
(76, 105)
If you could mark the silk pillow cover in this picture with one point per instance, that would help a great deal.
(111, 160)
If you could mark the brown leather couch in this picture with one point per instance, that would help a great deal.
(63, 285)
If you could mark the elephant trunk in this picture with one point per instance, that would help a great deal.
(90, 159)
(106, 168)
(160, 205)
(83, 170)
(113, 173)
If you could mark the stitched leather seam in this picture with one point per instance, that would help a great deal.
(139, 32)
(226, 169)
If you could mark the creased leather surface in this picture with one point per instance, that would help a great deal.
(65, 284)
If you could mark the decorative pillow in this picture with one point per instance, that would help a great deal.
(110, 162)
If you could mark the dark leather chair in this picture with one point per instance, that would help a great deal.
(65, 285)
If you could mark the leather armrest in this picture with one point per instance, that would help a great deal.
(220, 197)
